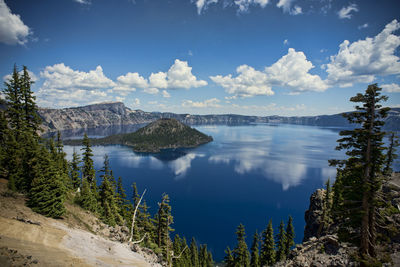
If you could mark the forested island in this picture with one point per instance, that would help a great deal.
(161, 134)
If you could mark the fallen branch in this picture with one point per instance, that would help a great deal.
(134, 215)
(136, 242)
(27, 221)
(177, 257)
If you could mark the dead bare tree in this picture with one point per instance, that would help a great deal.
(176, 257)
(133, 219)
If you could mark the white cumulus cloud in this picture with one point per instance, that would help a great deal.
(151, 90)
(61, 77)
(165, 94)
(391, 88)
(249, 82)
(180, 76)
(345, 12)
(83, 2)
(291, 71)
(12, 28)
(203, 4)
(129, 82)
(212, 103)
(363, 60)
(243, 5)
(286, 6)
(65, 87)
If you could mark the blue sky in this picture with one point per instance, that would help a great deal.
(253, 57)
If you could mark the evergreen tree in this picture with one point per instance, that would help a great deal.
(229, 258)
(241, 252)
(146, 222)
(194, 253)
(14, 97)
(135, 195)
(14, 149)
(362, 172)
(267, 253)
(187, 259)
(109, 207)
(3, 142)
(123, 204)
(289, 236)
(281, 243)
(164, 220)
(47, 193)
(30, 109)
(74, 170)
(136, 198)
(205, 257)
(391, 154)
(326, 209)
(62, 163)
(87, 198)
(177, 248)
(88, 171)
(210, 261)
(255, 253)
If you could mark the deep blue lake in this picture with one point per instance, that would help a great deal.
(248, 174)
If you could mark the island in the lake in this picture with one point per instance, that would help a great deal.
(160, 134)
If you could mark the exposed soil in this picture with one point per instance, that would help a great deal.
(29, 239)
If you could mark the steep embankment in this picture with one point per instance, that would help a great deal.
(116, 113)
(29, 239)
(321, 246)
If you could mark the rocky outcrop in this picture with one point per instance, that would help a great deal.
(313, 216)
(116, 113)
(326, 251)
(322, 248)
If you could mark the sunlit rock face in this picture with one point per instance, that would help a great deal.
(116, 113)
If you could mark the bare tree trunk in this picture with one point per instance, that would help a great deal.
(137, 242)
(366, 244)
(134, 215)
(176, 257)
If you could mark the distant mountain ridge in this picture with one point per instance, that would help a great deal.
(116, 113)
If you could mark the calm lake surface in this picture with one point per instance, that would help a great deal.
(248, 174)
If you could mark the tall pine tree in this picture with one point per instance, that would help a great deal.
(74, 170)
(164, 220)
(241, 252)
(267, 253)
(47, 194)
(109, 209)
(281, 243)
(88, 196)
(194, 252)
(255, 252)
(289, 236)
(362, 173)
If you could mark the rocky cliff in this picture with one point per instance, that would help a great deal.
(116, 113)
(323, 248)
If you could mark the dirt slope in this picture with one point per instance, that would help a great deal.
(29, 239)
